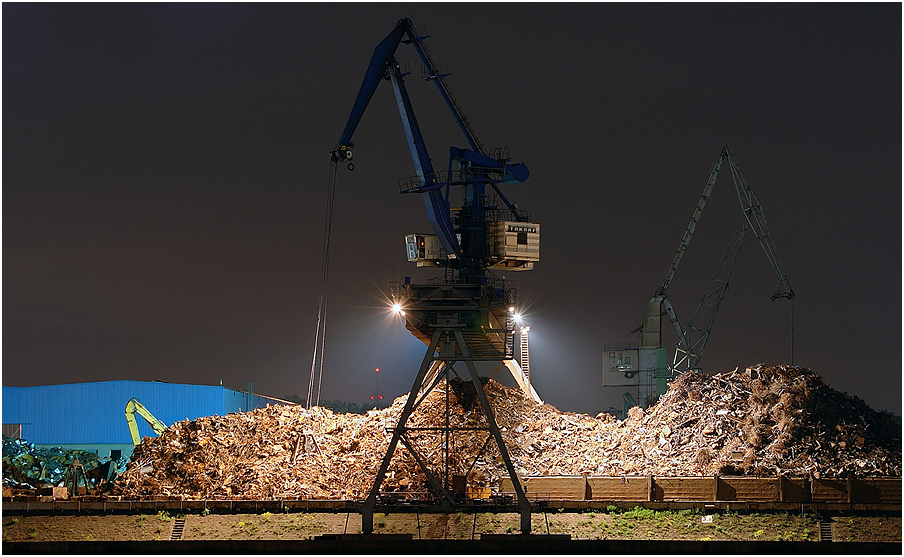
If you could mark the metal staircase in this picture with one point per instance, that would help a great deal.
(178, 528)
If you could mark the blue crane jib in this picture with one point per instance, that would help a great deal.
(486, 230)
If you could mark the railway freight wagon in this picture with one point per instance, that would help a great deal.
(735, 492)
(91, 416)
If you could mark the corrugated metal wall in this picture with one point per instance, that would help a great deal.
(95, 412)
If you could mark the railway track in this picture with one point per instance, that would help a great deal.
(568, 493)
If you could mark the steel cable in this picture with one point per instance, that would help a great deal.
(313, 398)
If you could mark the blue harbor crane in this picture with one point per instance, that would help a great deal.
(468, 314)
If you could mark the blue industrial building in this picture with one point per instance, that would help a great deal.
(91, 416)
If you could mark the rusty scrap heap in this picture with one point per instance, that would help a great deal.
(760, 421)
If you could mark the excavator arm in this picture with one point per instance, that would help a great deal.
(133, 406)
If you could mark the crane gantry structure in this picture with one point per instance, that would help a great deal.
(468, 314)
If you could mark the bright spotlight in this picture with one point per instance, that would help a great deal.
(397, 309)
(518, 318)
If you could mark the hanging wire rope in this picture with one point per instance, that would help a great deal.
(313, 398)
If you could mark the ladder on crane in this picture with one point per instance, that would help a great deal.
(525, 353)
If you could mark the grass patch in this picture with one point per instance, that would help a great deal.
(640, 513)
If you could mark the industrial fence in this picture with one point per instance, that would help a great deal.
(874, 491)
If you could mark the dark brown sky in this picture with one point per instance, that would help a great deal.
(165, 171)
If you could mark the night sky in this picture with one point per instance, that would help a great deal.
(165, 176)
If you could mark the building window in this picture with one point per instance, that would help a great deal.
(115, 454)
(522, 238)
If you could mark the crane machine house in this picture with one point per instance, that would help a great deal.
(513, 246)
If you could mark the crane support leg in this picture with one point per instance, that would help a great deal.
(431, 365)
(367, 510)
(523, 503)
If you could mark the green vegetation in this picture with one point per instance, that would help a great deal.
(643, 523)
(625, 524)
(640, 513)
(380, 520)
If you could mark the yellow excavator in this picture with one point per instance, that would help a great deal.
(133, 406)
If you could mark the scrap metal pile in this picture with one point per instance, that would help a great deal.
(759, 421)
(28, 467)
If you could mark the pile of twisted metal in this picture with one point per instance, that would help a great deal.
(761, 421)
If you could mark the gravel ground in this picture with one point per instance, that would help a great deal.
(637, 524)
